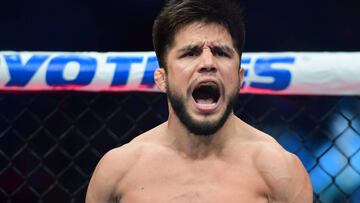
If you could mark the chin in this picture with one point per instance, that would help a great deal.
(199, 124)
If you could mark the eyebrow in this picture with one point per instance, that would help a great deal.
(191, 47)
(225, 48)
(194, 47)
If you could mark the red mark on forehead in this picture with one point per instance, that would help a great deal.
(208, 45)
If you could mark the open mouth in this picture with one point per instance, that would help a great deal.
(206, 93)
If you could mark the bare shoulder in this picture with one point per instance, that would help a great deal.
(108, 173)
(281, 170)
(114, 166)
(284, 173)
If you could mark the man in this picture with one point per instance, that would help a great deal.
(203, 153)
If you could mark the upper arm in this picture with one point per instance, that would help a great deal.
(285, 176)
(106, 177)
(302, 187)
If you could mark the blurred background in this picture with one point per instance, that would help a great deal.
(50, 142)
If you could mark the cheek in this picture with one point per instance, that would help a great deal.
(176, 82)
(231, 79)
(180, 75)
(231, 73)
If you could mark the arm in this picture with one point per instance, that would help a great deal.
(107, 176)
(285, 176)
(102, 185)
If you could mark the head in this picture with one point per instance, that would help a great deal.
(179, 13)
(199, 44)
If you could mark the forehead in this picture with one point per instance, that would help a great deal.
(202, 33)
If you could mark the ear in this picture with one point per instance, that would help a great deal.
(160, 79)
(241, 76)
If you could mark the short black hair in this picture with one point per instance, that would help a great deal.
(179, 13)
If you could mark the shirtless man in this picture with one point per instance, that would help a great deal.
(203, 153)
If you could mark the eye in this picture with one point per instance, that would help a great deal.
(191, 53)
(220, 52)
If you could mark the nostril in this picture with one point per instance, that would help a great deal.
(213, 69)
(207, 69)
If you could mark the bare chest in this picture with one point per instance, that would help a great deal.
(177, 181)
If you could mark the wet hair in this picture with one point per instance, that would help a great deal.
(178, 13)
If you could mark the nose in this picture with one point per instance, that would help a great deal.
(207, 63)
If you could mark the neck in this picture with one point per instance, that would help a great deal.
(194, 146)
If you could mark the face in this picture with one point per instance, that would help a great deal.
(203, 77)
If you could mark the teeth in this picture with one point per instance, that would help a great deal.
(208, 84)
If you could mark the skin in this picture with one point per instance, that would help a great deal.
(169, 164)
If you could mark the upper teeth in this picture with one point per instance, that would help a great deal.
(208, 84)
